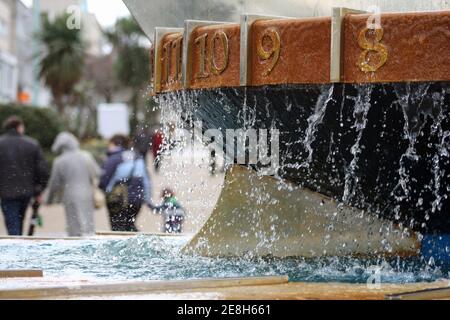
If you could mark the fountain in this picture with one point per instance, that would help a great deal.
(334, 126)
(351, 111)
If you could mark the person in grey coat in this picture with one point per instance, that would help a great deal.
(72, 181)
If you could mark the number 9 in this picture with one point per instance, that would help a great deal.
(273, 52)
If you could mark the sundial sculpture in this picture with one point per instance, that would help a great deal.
(362, 115)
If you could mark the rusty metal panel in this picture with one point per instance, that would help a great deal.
(212, 58)
(290, 51)
(168, 59)
(407, 47)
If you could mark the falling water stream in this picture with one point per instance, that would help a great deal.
(315, 120)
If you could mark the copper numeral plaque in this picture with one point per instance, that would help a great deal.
(290, 51)
(214, 56)
(171, 48)
(405, 47)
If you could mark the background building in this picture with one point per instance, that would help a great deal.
(18, 50)
(19, 64)
(24, 40)
(8, 59)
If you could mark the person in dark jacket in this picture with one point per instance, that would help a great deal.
(24, 173)
(126, 184)
(118, 144)
(143, 142)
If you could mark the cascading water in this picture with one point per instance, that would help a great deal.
(315, 120)
(412, 129)
(360, 113)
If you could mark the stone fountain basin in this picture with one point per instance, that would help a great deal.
(66, 276)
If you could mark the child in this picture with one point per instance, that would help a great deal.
(172, 210)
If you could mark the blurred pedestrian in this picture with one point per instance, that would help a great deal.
(23, 173)
(157, 146)
(172, 211)
(126, 183)
(72, 182)
(143, 142)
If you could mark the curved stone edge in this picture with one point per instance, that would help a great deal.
(262, 216)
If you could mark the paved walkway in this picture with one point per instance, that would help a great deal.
(196, 189)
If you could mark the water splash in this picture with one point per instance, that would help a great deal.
(159, 258)
(315, 120)
(412, 128)
(360, 114)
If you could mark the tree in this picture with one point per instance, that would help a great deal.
(61, 65)
(100, 70)
(132, 64)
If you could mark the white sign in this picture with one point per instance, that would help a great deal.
(113, 119)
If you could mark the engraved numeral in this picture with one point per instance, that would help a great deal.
(368, 47)
(201, 42)
(274, 51)
(222, 37)
(176, 46)
(165, 63)
(151, 64)
(171, 58)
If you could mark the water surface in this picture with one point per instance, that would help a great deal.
(159, 258)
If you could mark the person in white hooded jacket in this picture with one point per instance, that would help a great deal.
(72, 182)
